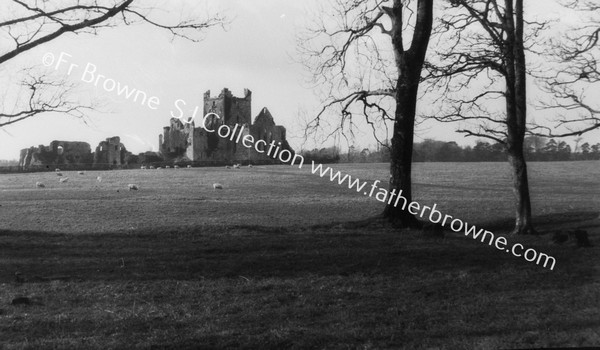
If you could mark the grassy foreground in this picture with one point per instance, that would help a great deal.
(260, 264)
(319, 287)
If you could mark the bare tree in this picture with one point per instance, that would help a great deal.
(482, 44)
(367, 56)
(28, 24)
(574, 78)
(41, 93)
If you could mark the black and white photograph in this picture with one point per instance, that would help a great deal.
(318, 174)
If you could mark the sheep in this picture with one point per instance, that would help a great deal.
(151, 167)
(59, 174)
(81, 173)
(175, 166)
(189, 166)
(158, 168)
(57, 170)
(249, 165)
(143, 167)
(227, 167)
(217, 186)
(39, 185)
(167, 167)
(63, 179)
(236, 166)
(99, 179)
(132, 187)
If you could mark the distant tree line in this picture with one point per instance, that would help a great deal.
(4, 163)
(322, 155)
(536, 149)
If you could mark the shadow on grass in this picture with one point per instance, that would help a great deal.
(264, 252)
(547, 222)
(346, 285)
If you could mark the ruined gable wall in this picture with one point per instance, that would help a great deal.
(25, 157)
(115, 148)
(110, 152)
(264, 128)
(66, 154)
(175, 140)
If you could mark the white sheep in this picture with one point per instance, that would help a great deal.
(63, 179)
(158, 168)
(132, 187)
(143, 167)
(99, 179)
(167, 167)
(57, 170)
(236, 166)
(217, 186)
(189, 166)
(39, 185)
(151, 167)
(175, 166)
(249, 165)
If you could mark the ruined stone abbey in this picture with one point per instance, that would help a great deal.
(185, 141)
(180, 142)
(110, 153)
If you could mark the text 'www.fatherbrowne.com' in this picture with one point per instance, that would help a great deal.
(435, 216)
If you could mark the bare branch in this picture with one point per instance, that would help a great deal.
(34, 23)
(576, 76)
(43, 94)
(53, 22)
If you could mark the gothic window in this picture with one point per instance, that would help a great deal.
(212, 122)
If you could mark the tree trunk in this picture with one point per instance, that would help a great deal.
(516, 158)
(409, 64)
(517, 117)
(523, 224)
(401, 157)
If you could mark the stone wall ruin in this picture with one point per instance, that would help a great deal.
(183, 142)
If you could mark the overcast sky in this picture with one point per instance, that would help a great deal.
(255, 53)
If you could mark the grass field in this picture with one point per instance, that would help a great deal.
(277, 260)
